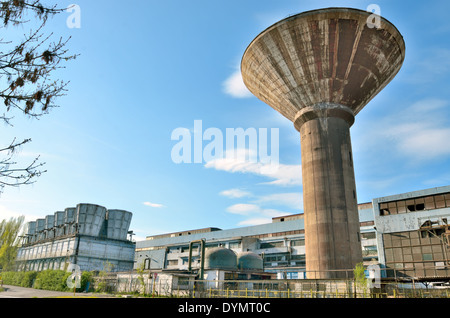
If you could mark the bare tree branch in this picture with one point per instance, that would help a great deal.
(26, 83)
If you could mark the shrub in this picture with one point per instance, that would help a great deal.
(86, 281)
(9, 278)
(49, 279)
(28, 279)
(52, 280)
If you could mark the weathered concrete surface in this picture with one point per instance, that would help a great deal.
(319, 69)
(327, 55)
(332, 228)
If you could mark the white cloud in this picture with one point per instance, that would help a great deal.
(263, 216)
(256, 214)
(418, 133)
(293, 200)
(259, 210)
(244, 209)
(422, 133)
(153, 205)
(235, 193)
(255, 221)
(282, 175)
(6, 214)
(234, 86)
(425, 142)
(427, 105)
(426, 69)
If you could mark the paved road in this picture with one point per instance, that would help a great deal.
(22, 292)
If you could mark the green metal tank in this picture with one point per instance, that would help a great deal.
(249, 261)
(220, 258)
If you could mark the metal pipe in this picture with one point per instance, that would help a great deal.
(202, 256)
(166, 250)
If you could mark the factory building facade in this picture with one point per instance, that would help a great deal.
(406, 235)
(413, 233)
(89, 236)
(280, 244)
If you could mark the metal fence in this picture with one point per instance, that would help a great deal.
(312, 289)
(293, 288)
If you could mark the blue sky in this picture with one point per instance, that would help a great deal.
(149, 67)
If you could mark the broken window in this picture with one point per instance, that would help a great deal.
(410, 205)
(384, 209)
(420, 204)
(392, 207)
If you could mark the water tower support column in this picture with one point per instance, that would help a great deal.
(330, 204)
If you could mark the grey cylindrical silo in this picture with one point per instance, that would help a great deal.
(118, 224)
(90, 218)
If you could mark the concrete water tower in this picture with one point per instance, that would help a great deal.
(319, 69)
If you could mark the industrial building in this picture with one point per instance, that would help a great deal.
(407, 235)
(217, 268)
(413, 236)
(88, 235)
(280, 244)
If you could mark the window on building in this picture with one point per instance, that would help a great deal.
(183, 281)
(172, 262)
(235, 244)
(447, 200)
(401, 207)
(271, 244)
(440, 201)
(384, 209)
(430, 202)
(368, 235)
(300, 242)
(292, 275)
